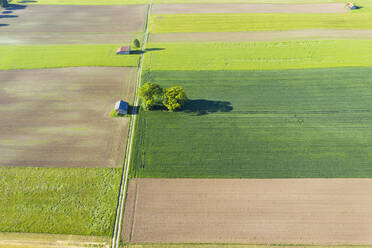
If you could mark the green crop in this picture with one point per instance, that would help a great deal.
(58, 200)
(260, 55)
(53, 56)
(267, 124)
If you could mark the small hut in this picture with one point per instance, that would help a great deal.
(121, 107)
(123, 50)
(350, 5)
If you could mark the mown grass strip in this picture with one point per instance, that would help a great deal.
(269, 124)
(53, 56)
(56, 200)
(182, 23)
(259, 55)
(42, 240)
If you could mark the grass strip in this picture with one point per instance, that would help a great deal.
(54, 56)
(41, 240)
(183, 23)
(259, 55)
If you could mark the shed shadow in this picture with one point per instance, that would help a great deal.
(3, 25)
(146, 50)
(203, 107)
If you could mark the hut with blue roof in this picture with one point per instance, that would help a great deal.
(121, 107)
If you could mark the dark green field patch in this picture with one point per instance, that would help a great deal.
(59, 201)
(271, 124)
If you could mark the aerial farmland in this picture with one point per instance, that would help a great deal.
(272, 146)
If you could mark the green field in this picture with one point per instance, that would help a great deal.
(260, 124)
(259, 55)
(182, 23)
(53, 56)
(58, 200)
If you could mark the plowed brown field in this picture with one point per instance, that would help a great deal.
(60, 117)
(280, 211)
(71, 24)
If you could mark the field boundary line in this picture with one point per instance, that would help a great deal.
(124, 178)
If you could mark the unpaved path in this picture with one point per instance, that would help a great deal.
(248, 8)
(116, 237)
(279, 211)
(261, 36)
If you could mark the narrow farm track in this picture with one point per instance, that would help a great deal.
(124, 179)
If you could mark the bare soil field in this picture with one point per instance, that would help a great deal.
(247, 8)
(70, 23)
(261, 36)
(34, 38)
(258, 211)
(60, 117)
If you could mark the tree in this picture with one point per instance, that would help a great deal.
(150, 94)
(4, 3)
(136, 43)
(174, 98)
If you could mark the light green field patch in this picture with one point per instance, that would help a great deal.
(259, 55)
(56, 200)
(182, 23)
(54, 56)
(25, 141)
(67, 130)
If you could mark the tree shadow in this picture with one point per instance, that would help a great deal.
(154, 49)
(15, 7)
(8, 16)
(8, 10)
(133, 110)
(199, 107)
(203, 107)
(146, 50)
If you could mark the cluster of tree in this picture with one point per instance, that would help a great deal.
(4, 3)
(172, 98)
